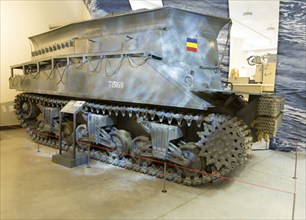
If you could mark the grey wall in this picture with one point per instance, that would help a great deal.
(291, 73)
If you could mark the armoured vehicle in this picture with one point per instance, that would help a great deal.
(152, 88)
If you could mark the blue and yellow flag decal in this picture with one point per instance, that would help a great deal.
(192, 44)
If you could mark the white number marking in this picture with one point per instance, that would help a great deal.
(115, 85)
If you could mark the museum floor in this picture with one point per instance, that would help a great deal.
(32, 187)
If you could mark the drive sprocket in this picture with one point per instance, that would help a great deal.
(225, 144)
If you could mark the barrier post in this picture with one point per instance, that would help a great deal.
(294, 177)
(38, 148)
(88, 156)
(164, 182)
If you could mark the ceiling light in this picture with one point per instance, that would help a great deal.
(270, 29)
(247, 17)
(271, 34)
(248, 14)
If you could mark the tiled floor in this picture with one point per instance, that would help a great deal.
(32, 187)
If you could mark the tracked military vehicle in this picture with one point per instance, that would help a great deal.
(152, 90)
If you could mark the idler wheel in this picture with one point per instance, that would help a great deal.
(28, 110)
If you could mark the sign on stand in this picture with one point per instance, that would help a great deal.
(67, 159)
(73, 107)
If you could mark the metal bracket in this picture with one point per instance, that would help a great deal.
(96, 122)
(161, 135)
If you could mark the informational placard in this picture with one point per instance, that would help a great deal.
(73, 106)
